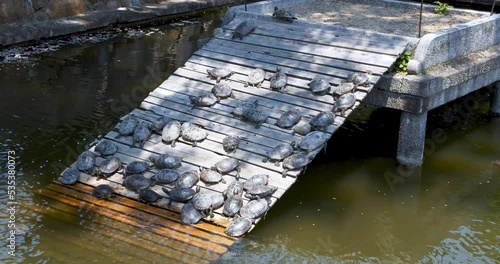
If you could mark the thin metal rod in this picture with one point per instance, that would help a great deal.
(420, 19)
(246, 1)
(493, 7)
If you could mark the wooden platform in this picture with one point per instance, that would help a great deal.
(302, 53)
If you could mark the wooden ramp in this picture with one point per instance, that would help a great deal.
(302, 53)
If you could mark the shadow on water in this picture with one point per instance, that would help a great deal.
(354, 203)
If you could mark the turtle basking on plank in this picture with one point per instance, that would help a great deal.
(244, 28)
(283, 14)
(255, 78)
(220, 73)
(344, 102)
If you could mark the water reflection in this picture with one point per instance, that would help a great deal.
(353, 205)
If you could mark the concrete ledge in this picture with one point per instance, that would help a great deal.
(22, 31)
(458, 41)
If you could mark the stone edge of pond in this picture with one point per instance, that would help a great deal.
(21, 32)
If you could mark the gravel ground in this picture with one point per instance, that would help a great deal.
(393, 20)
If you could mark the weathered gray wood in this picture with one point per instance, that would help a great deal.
(221, 45)
(376, 44)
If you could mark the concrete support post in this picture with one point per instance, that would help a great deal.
(495, 101)
(411, 138)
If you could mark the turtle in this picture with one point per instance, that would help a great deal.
(189, 214)
(141, 134)
(187, 179)
(165, 176)
(342, 88)
(280, 152)
(86, 162)
(313, 141)
(232, 205)
(279, 80)
(210, 176)
(148, 196)
(255, 78)
(194, 134)
(235, 188)
(222, 90)
(256, 180)
(217, 200)
(180, 194)
(238, 227)
(302, 128)
(260, 191)
(106, 147)
(344, 102)
(295, 161)
(136, 182)
(319, 86)
(244, 28)
(158, 124)
(207, 100)
(255, 116)
(230, 143)
(359, 79)
(241, 109)
(202, 201)
(70, 176)
(226, 165)
(127, 126)
(171, 132)
(103, 191)
(187, 125)
(322, 120)
(289, 118)
(136, 167)
(283, 14)
(108, 167)
(254, 209)
(220, 73)
(166, 161)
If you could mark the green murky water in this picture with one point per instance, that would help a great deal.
(354, 205)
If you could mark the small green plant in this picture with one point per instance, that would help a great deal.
(401, 64)
(443, 8)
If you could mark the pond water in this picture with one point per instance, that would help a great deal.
(353, 205)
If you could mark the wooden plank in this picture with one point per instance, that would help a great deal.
(130, 238)
(328, 37)
(152, 223)
(216, 44)
(314, 49)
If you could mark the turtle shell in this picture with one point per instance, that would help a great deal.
(283, 14)
(322, 120)
(211, 176)
(345, 101)
(230, 143)
(109, 166)
(194, 134)
(187, 179)
(171, 132)
(289, 118)
(86, 162)
(203, 100)
(159, 123)
(295, 161)
(343, 88)
(313, 141)
(141, 134)
(137, 182)
(70, 176)
(180, 194)
(255, 116)
(302, 128)
(232, 206)
(254, 209)
(103, 191)
(136, 167)
(166, 161)
(256, 180)
(260, 191)
(359, 79)
(280, 152)
(279, 80)
(166, 176)
(127, 126)
(222, 90)
(106, 147)
(238, 227)
(319, 86)
(220, 73)
(148, 196)
(255, 77)
(240, 110)
(189, 214)
(235, 188)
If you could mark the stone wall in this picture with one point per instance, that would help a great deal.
(41, 10)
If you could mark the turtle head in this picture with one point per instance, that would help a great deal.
(193, 98)
(278, 69)
(209, 72)
(197, 189)
(153, 159)
(276, 8)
